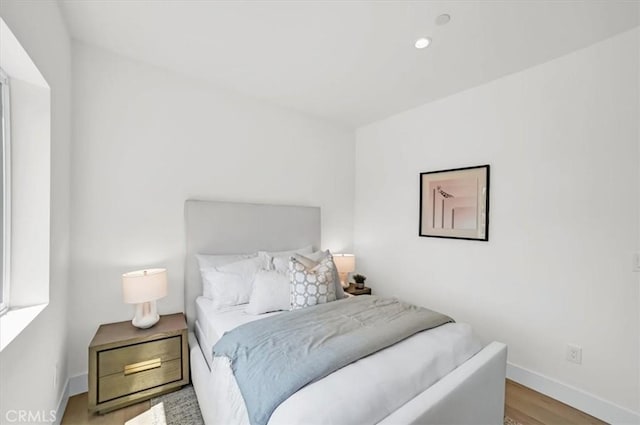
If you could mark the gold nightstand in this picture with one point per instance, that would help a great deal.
(127, 364)
(353, 291)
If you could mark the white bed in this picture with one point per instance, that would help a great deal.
(441, 376)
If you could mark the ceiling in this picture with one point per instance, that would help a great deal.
(351, 62)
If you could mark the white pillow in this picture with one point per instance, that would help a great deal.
(269, 256)
(230, 284)
(270, 293)
(314, 259)
(311, 286)
(206, 261)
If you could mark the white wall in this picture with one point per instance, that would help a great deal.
(145, 140)
(28, 363)
(562, 141)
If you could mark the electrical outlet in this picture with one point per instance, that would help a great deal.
(574, 354)
(636, 261)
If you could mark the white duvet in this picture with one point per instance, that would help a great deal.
(363, 392)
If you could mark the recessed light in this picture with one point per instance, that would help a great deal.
(443, 19)
(423, 42)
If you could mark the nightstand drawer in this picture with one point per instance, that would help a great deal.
(125, 359)
(132, 381)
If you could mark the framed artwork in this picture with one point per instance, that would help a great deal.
(455, 203)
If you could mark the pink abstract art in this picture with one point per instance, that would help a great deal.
(454, 203)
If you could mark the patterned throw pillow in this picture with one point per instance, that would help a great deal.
(311, 286)
(312, 260)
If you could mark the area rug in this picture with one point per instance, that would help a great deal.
(181, 408)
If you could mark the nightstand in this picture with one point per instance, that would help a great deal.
(353, 291)
(128, 365)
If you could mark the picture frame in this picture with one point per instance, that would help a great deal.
(454, 203)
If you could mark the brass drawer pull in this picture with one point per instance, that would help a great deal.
(142, 366)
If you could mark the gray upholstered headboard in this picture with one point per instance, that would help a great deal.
(237, 228)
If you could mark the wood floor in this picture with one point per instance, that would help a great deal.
(76, 412)
(522, 404)
(532, 408)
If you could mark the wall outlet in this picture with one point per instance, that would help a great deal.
(636, 261)
(574, 354)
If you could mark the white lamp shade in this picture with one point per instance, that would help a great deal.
(345, 263)
(141, 286)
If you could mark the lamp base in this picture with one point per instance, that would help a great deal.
(343, 280)
(146, 315)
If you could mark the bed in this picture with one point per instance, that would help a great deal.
(452, 379)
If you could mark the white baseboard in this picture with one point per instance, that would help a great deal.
(62, 404)
(74, 385)
(78, 384)
(574, 397)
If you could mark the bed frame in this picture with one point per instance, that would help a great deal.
(473, 393)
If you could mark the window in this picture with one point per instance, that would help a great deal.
(25, 167)
(5, 197)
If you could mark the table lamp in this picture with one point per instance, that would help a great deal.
(143, 288)
(345, 263)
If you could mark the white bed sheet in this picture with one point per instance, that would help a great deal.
(212, 323)
(383, 381)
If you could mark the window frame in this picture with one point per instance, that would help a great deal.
(5, 126)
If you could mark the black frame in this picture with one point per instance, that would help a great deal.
(487, 168)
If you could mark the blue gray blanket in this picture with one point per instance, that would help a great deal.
(274, 357)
